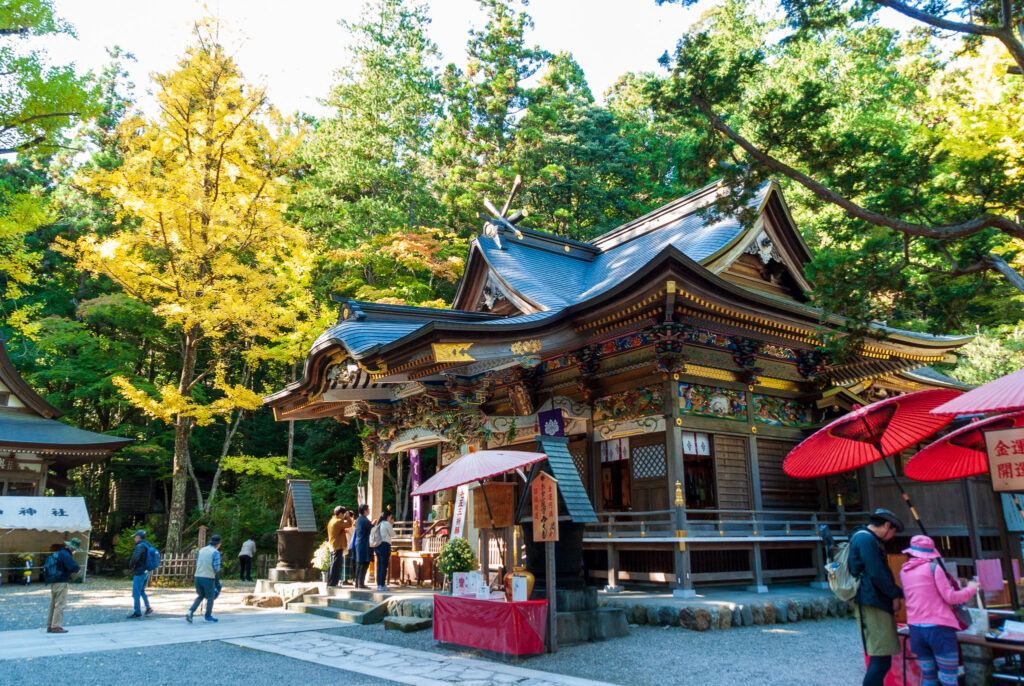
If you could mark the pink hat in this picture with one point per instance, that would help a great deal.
(922, 546)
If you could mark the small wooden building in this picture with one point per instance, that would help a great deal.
(33, 443)
(685, 360)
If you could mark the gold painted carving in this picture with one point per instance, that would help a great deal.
(452, 352)
(528, 347)
(781, 384)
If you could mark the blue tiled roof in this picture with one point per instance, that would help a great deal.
(17, 429)
(360, 336)
(556, 281)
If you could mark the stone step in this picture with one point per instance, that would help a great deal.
(408, 624)
(342, 603)
(356, 616)
(359, 594)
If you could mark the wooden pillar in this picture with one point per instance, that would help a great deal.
(375, 490)
(613, 570)
(971, 519)
(755, 565)
(682, 586)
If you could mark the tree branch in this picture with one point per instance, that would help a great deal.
(940, 232)
(1000, 265)
(1004, 32)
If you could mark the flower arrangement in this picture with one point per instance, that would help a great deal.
(322, 556)
(456, 556)
(28, 568)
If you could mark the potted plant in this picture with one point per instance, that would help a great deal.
(322, 558)
(456, 556)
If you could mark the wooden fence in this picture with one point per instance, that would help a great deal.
(175, 568)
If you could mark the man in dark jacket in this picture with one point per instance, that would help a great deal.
(140, 576)
(361, 545)
(66, 569)
(878, 596)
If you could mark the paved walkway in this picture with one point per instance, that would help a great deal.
(402, 665)
(141, 633)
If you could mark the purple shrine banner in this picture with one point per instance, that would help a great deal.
(416, 475)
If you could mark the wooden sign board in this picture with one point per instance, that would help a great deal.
(1005, 449)
(544, 491)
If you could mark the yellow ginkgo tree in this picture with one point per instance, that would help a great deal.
(212, 253)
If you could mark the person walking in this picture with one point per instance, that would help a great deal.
(878, 596)
(137, 565)
(67, 568)
(338, 539)
(246, 554)
(361, 545)
(933, 625)
(207, 568)
(383, 549)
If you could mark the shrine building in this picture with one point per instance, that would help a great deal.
(685, 362)
(33, 443)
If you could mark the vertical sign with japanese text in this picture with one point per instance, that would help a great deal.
(544, 491)
(459, 516)
(1006, 458)
(415, 478)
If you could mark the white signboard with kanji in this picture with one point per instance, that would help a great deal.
(44, 513)
(1006, 458)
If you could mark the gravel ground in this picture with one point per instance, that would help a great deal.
(184, 664)
(101, 600)
(776, 655)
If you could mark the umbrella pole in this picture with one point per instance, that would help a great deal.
(903, 492)
(490, 516)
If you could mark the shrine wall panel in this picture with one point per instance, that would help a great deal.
(779, 491)
(732, 472)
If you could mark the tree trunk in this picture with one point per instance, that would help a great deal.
(182, 433)
(291, 425)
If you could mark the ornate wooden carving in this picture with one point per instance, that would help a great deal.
(588, 364)
(744, 354)
(812, 363)
(669, 338)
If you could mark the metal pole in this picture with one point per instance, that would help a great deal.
(892, 473)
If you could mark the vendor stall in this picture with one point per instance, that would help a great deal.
(501, 627)
(30, 527)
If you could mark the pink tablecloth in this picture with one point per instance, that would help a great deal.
(509, 628)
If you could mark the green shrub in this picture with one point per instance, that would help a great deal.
(456, 556)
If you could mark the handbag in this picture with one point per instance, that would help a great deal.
(979, 618)
(960, 610)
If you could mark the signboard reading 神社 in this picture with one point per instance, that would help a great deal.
(544, 490)
(1006, 458)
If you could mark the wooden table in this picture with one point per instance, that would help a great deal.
(976, 654)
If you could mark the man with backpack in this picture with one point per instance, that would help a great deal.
(138, 564)
(878, 596)
(58, 571)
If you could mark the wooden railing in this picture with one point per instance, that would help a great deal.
(722, 523)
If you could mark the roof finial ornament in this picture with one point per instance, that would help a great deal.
(493, 225)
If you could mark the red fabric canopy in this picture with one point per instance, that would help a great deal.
(960, 453)
(1002, 395)
(855, 439)
(476, 466)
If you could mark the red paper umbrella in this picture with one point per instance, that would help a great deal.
(869, 434)
(1002, 395)
(960, 453)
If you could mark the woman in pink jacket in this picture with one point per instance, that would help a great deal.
(933, 625)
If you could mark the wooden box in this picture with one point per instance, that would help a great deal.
(502, 498)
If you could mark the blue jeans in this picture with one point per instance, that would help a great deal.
(383, 552)
(139, 591)
(204, 589)
(938, 652)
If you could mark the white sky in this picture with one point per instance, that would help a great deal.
(294, 46)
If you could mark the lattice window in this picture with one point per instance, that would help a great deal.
(648, 461)
(579, 459)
